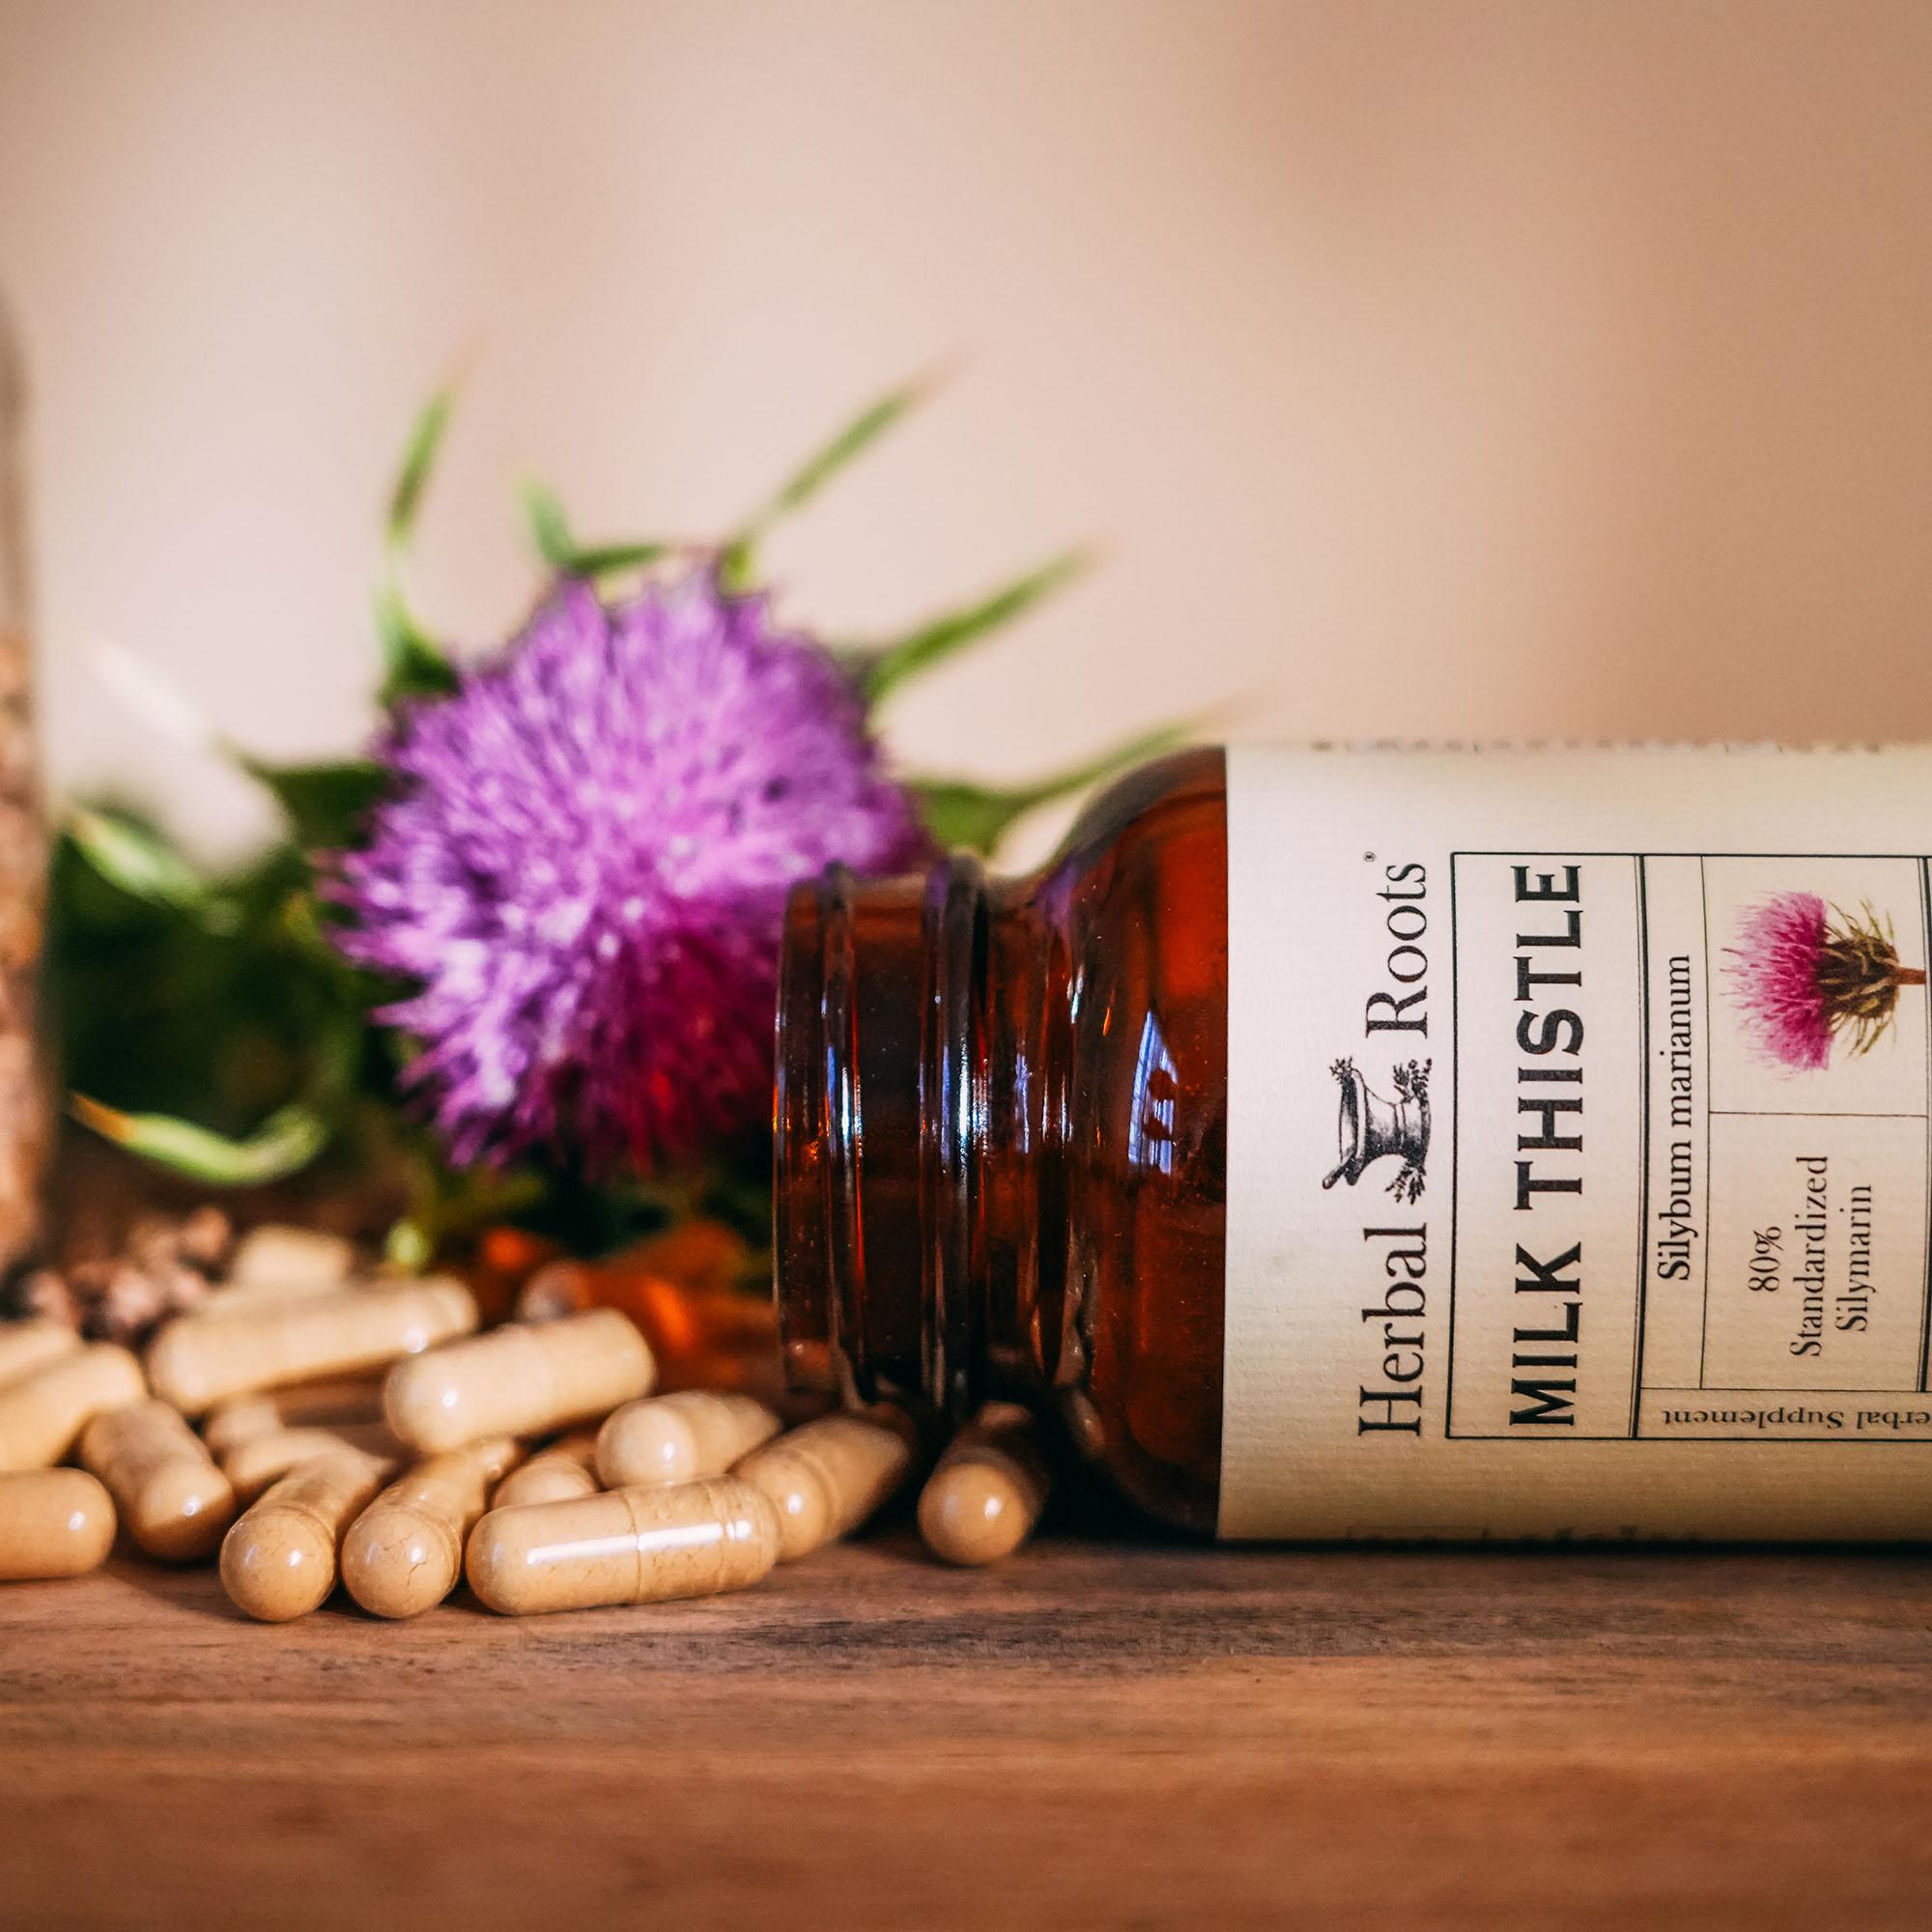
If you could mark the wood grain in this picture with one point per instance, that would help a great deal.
(1094, 1735)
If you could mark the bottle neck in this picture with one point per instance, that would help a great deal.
(920, 1086)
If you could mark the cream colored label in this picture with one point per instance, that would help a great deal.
(1578, 1144)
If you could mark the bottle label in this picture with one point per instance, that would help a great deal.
(1578, 1171)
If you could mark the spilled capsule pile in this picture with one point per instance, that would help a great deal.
(317, 1428)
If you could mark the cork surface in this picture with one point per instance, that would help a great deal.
(1092, 1735)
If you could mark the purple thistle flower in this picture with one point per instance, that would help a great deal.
(1776, 979)
(584, 864)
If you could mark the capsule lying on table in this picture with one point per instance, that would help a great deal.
(676, 1438)
(197, 1360)
(277, 1255)
(639, 1546)
(280, 1558)
(253, 1465)
(42, 1412)
(826, 1478)
(176, 1504)
(520, 1379)
(257, 1297)
(987, 1491)
(562, 1472)
(27, 1345)
(53, 1522)
(327, 1404)
(403, 1554)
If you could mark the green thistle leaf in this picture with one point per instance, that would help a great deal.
(963, 815)
(550, 531)
(284, 1144)
(608, 559)
(959, 812)
(138, 860)
(550, 528)
(326, 804)
(882, 669)
(415, 664)
(737, 561)
(419, 456)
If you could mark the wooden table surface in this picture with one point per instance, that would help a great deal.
(1097, 1734)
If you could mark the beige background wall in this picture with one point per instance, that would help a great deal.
(1434, 368)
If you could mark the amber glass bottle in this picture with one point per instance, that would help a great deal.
(1001, 1115)
(1518, 1144)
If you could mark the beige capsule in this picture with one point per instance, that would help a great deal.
(200, 1359)
(280, 1558)
(560, 1287)
(53, 1522)
(277, 1255)
(676, 1438)
(253, 1465)
(42, 1412)
(623, 1546)
(403, 1554)
(249, 1298)
(826, 1478)
(520, 1379)
(564, 1471)
(987, 1491)
(318, 1404)
(174, 1501)
(27, 1345)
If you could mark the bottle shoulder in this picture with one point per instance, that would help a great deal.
(1180, 799)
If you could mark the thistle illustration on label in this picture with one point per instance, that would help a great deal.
(1806, 976)
(1657, 1126)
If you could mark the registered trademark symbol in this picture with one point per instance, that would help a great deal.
(1368, 858)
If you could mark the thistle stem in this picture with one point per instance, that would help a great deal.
(1907, 975)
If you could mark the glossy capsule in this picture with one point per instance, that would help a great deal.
(524, 1378)
(403, 1554)
(826, 1478)
(562, 1472)
(253, 1465)
(198, 1360)
(238, 1298)
(987, 1491)
(280, 1558)
(175, 1503)
(676, 1438)
(27, 1345)
(623, 1546)
(42, 1412)
(277, 1255)
(53, 1522)
(320, 1405)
